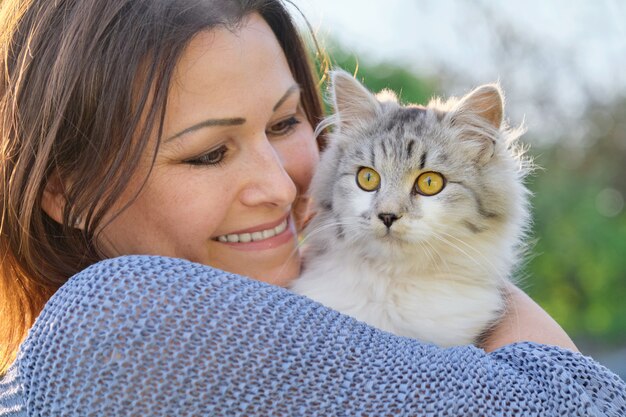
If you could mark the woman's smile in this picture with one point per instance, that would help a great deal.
(262, 237)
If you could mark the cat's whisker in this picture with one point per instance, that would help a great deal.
(318, 229)
(440, 259)
(293, 253)
(311, 233)
(487, 265)
(325, 226)
(470, 257)
(426, 251)
(479, 253)
(467, 245)
(347, 227)
(428, 254)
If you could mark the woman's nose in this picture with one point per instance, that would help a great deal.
(267, 182)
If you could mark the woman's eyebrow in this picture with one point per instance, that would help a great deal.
(291, 90)
(233, 121)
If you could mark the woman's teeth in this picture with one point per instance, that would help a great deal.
(255, 236)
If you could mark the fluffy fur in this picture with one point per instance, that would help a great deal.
(438, 272)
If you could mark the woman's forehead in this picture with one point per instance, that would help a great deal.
(222, 54)
(223, 68)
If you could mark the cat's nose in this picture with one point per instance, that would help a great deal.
(388, 218)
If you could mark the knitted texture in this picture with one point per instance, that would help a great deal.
(154, 336)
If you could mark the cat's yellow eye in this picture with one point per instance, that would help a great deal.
(368, 179)
(429, 183)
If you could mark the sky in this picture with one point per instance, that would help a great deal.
(553, 58)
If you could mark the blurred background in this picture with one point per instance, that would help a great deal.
(562, 65)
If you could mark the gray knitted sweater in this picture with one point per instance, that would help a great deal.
(153, 336)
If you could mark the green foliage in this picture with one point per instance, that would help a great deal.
(578, 268)
(379, 76)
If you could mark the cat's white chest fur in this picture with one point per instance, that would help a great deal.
(432, 306)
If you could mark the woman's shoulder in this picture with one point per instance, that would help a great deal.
(133, 275)
(140, 265)
(107, 313)
(124, 292)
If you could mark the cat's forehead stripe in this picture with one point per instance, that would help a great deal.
(409, 148)
(423, 160)
(405, 115)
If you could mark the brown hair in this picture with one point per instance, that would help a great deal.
(83, 85)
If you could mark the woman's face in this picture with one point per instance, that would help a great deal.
(237, 150)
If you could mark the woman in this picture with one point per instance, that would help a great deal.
(184, 129)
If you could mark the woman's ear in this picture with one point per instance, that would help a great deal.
(53, 200)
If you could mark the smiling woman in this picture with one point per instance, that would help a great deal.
(144, 145)
(211, 123)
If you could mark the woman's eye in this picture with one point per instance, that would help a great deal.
(213, 157)
(284, 126)
(429, 183)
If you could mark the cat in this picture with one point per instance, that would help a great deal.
(421, 213)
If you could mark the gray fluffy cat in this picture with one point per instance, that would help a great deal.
(420, 213)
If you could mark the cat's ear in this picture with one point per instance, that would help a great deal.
(486, 102)
(479, 116)
(353, 103)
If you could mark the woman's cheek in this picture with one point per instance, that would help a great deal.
(300, 160)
